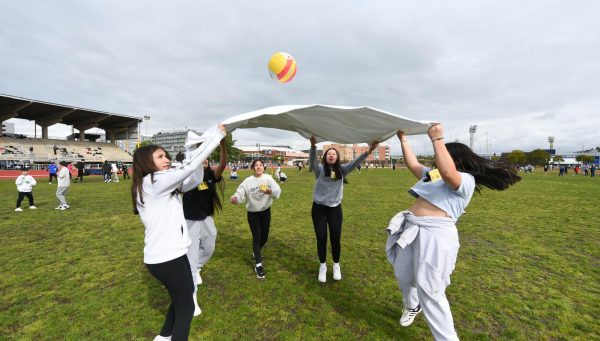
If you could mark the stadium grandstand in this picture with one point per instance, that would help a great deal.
(18, 150)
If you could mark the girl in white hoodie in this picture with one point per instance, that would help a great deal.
(25, 183)
(258, 190)
(156, 198)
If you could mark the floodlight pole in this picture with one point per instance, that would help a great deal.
(146, 118)
(551, 141)
(472, 130)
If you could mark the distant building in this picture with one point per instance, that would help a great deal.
(380, 156)
(172, 141)
(8, 128)
(271, 153)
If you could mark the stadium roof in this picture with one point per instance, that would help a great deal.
(45, 113)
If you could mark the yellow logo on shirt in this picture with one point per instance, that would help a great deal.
(435, 175)
(203, 186)
(333, 174)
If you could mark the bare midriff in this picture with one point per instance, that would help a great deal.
(423, 208)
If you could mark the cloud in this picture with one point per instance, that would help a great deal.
(521, 71)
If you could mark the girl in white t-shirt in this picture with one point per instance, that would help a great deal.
(258, 191)
(423, 241)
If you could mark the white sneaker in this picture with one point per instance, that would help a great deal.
(197, 310)
(337, 272)
(162, 338)
(323, 273)
(32, 207)
(18, 209)
(59, 207)
(408, 316)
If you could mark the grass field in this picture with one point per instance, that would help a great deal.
(528, 267)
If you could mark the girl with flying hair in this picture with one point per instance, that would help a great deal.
(155, 192)
(423, 241)
(327, 203)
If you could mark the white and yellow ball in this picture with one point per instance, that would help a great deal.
(282, 67)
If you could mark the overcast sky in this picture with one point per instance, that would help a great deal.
(520, 70)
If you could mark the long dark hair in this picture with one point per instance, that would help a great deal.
(491, 174)
(214, 191)
(327, 168)
(143, 164)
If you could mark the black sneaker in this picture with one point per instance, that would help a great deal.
(260, 272)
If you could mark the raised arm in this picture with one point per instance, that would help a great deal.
(222, 162)
(442, 158)
(409, 157)
(314, 165)
(169, 180)
(349, 167)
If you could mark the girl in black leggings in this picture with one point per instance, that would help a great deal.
(155, 192)
(327, 203)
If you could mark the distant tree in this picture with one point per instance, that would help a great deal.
(232, 152)
(517, 157)
(538, 157)
(585, 158)
(558, 158)
(143, 143)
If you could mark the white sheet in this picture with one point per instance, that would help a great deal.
(330, 123)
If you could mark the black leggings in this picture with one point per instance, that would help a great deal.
(259, 225)
(52, 176)
(322, 216)
(22, 195)
(176, 276)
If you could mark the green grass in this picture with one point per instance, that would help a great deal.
(528, 267)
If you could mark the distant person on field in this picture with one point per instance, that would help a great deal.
(545, 169)
(70, 168)
(80, 169)
(114, 170)
(258, 190)
(52, 169)
(199, 205)
(125, 170)
(25, 183)
(155, 193)
(233, 175)
(64, 181)
(106, 168)
(327, 203)
(593, 171)
(423, 241)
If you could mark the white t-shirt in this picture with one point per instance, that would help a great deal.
(441, 196)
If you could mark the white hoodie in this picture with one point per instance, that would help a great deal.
(166, 233)
(25, 183)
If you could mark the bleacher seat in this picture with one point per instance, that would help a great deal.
(40, 150)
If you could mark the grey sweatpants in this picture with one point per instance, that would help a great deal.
(204, 236)
(60, 194)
